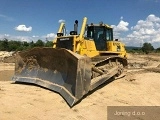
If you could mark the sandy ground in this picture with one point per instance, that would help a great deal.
(140, 87)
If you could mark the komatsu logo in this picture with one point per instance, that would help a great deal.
(62, 39)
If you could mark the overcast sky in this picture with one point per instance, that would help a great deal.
(134, 21)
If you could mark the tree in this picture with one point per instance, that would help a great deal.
(4, 45)
(26, 44)
(49, 44)
(39, 43)
(14, 45)
(31, 44)
(158, 49)
(147, 48)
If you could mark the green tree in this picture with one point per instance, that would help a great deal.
(147, 48)
(49, 44)
(14, 45)
(31, 44)
(158, 49)
(39, 43)
(1, 47)
(4, 45)
(26, 44)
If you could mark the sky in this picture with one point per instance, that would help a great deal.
(134, 21)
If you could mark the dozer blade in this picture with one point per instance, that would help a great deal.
(60, 70)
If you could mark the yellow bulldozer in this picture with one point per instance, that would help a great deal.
(77, 63)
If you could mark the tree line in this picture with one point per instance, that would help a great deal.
(12, 45)
(146, 48)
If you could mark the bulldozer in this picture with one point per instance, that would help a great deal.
(76, 64)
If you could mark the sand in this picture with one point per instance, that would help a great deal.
(140, 87)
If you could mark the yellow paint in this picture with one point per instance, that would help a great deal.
(87, 47)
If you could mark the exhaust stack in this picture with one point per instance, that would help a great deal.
(76, 26)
